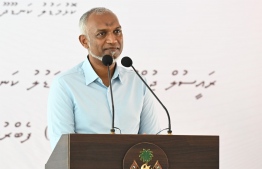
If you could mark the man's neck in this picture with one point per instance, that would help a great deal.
(102, 70)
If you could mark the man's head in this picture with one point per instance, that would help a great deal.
(101, 33)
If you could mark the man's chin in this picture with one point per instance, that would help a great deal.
(115, 57)
(114, 54)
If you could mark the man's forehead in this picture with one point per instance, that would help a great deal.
(102, 20)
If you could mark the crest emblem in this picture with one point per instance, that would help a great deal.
(145, 156)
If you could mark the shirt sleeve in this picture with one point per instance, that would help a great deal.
(60, 112)
(149, 121)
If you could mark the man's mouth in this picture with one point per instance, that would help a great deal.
(112, 48)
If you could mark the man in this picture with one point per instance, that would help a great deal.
(79, 99)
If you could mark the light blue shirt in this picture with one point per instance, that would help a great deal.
(79, 102)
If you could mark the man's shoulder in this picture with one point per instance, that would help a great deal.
(71, 73)
(128, 75)
(125, 71)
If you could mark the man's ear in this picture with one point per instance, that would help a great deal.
(84, 41)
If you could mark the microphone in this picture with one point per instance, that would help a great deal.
(107, 61)
(127, 62)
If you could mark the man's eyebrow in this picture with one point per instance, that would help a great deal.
(99, 30)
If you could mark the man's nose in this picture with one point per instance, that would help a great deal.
(111, 38)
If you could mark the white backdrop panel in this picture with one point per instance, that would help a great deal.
(202, 58)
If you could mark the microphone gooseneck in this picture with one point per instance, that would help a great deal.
(127, 62)
(107, 61)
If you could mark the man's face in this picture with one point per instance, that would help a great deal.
(104, 35)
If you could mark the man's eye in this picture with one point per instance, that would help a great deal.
(118, 32)
(100, 34)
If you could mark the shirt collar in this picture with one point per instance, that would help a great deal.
(91, 76)
(117, 75)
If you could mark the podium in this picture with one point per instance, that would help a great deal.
(119, 151)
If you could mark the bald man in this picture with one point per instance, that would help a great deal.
(79, 99)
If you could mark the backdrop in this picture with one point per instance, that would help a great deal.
(202, 58)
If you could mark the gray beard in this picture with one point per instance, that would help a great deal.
(101, 57)
(94, 56)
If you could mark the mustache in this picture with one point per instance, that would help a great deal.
(112, 47)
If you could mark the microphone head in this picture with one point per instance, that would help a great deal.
(107, 60)
(126, 61)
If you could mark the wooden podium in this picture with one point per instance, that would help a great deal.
(119, 151)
